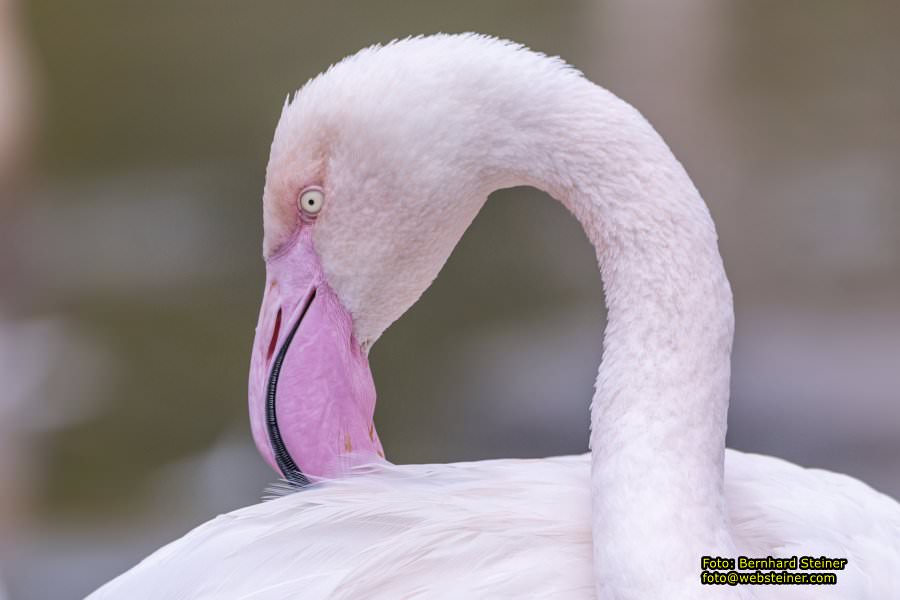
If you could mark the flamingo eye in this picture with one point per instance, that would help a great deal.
(311, 201)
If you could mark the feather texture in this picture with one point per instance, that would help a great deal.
(497, 529)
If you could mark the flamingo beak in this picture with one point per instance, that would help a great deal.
(311, 393)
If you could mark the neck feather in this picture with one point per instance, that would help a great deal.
(658, 416)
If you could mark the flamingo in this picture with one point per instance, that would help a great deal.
(377, 168)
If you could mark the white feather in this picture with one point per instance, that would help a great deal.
(496, 529)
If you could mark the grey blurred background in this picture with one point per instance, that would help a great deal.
(133, 142)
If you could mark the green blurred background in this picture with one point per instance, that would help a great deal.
(133, 142)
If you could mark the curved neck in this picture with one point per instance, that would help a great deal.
(658, 416)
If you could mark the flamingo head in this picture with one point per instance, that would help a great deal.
(372, 179)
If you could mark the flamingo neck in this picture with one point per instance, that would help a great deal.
(464, 115)
(658, 417)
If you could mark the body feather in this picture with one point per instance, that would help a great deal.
(498, 529)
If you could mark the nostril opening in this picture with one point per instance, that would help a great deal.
(274, 341)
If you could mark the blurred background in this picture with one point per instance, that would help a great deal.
(133, 142)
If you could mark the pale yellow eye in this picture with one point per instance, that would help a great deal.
(311, 201)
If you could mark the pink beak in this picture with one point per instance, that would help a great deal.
(312, 398)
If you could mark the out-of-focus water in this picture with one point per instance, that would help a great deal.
(131, 273)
